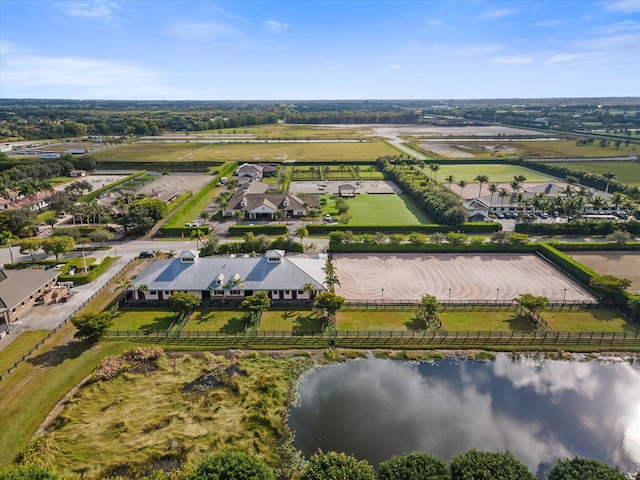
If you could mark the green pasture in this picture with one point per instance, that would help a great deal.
(626, 172)
(142, 319)
(302, 132)
(587, 321)
(377, 320)
(20, 347)
(477, 321)
(165, 152)
(290, 320)
(210, 320)
(381, 209)
(501, 173)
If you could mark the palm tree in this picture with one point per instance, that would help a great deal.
(330, 275)
(462, 184)
(434, 167)
(302, 232)
(6, 237)
(493, 188)
(450, 179)
(515, 185)
(502, 192)
(125, 282)
(481, 179)
(171, 253)
(310, 290)
(204, 216)
(617, 200)
(197, 235)
(142, 289)
(608, 176)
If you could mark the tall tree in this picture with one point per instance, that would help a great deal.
(183, 303)
(197, 235)
(462, 184)
(58, 244)
(330, 275)
(449, 179)
(92, 326)
(488, 465)
(31, 245)
(481, 179)
(608, 177)
(7, 238)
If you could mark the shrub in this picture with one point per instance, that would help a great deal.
(488, 465)
(469, 227)
(240, 230)
(584, 469)
(110, 367)
(233, 466)
(336, 466)
(415, 466)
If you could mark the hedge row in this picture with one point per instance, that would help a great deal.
(183, 231)
(578, 271)
(469, 227)
(594, 246)
(94, 272)
(106, 188)
(240, 230)
(430, 248)
(578, 228)
(240, 247)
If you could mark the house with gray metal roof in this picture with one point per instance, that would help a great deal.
(260, 206)
(19, 289)
(229, 279)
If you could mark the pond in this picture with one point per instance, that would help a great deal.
(540, 410)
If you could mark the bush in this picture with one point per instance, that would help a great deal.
(489, 465)
(429, 248)
(584, 469)
(26, 472)
(578, 228)
(415, 466)
(180, 231)
(336, 466)
(94, 272)
(469, 227)
(233, 466)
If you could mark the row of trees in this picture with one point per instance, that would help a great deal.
(347, 237)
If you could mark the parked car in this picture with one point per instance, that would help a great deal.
(146, 255)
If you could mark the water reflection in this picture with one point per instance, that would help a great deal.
(540, 411)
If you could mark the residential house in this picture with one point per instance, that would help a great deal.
(251, 171)
(229, 279)
(77, 173)
(264, 206)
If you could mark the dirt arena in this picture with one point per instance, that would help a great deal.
(470, 277)
(618, 264)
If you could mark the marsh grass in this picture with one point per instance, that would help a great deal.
(132, 424)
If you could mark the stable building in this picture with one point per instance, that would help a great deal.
(20, 289)
(227, 280)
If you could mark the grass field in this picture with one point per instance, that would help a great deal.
(206, 319)
(587, 321)
(626, 172)
(19, 347)
(142, 319)
(302, 132)
(383, 210)
(339, 172)
(379, 320)
(192, 214)
(291, 320)
(163, 152)
(502, 173)
(473, 321)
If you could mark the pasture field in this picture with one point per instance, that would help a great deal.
(478, 149)
(210, 320)
(618, 264)
(587, 321)
(301, 132)
(502, 173)
(382, 209)
(490, 320)
(19, 347)
(377, 320)
(142, 319)
(626, 172)
(290, 320)
(165, 152)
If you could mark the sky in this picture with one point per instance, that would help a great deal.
(315, 50)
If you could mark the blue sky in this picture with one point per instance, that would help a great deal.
(299, 49)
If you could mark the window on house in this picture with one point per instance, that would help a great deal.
(287, 292)
(152, 292)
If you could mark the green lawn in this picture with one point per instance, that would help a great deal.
(587, 321)
(19, 347)
(303, 132)
(501, 173)
(290, 320)
(474, 321)
(142, 319)
(377, 320)
(626, 172)
(196, 210)
(209, 320)
(385, 210)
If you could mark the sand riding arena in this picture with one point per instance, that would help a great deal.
(407, 277)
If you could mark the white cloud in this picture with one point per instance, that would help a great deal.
(85, 77)
(628, 40)
(393, 66)
(497, 13)
(549, 23)
(625, 26)
(274, 26)
(624, 6)
(191, 30)
(513, 60)
(561, 57)
(98, 9)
